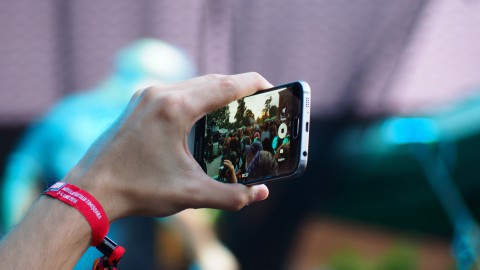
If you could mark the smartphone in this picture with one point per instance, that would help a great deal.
(255, 139)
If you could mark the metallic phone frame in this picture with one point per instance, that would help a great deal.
(304, 138)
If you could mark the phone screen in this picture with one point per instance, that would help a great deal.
(254, 138)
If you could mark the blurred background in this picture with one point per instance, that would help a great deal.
(393, 177)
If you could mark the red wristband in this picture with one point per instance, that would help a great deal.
(86, 204)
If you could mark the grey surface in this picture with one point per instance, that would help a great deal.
(351, 52)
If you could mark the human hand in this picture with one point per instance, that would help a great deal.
(232, 178)
(142, 165)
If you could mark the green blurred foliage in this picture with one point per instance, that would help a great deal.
(401, 256)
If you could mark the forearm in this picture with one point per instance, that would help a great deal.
(140, 166)
(53, 235)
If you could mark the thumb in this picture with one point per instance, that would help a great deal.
(230, 196)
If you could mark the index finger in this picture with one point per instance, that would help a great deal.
(214, 91)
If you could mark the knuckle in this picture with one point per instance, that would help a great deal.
(212, 77)
(256, 75)
(170, 106)
(149, 94)
(259, 79)
(227, 84)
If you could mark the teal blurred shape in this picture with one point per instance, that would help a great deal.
(401, 130)
(55, 143)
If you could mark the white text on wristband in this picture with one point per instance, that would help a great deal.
(86, 204)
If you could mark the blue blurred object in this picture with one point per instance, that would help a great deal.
(466, 242)
(431, 140)
(55, 143)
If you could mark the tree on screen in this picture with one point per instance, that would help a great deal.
(241, 118)
(221, 117)
(273, 111)
(266, 109)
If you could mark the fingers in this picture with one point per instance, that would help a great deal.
(214, 91)
(230, 196)
(194, 98)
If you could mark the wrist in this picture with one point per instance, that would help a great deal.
(95, 215)
(50, 230)
(86, 204)
(101, 186)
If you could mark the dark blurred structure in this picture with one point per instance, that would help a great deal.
(364, 59)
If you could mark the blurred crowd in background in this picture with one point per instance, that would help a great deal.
(392, 180)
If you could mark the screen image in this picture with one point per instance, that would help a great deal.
(250, 138)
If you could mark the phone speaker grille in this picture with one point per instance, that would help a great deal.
(307, 102)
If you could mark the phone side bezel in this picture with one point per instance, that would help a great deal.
(304, 139)
(197, 133)
(305, 128)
